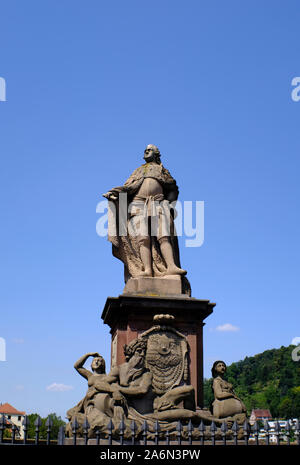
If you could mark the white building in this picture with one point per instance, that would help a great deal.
(13, 415)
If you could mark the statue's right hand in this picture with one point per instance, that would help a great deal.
(110, 196)
(94, 354)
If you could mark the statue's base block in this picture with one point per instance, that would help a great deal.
(130, 315)
(166, 286)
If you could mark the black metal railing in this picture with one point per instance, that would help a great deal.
(119, 434)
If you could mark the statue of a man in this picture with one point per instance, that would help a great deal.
(147, 250)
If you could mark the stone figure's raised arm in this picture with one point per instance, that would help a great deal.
(81, 361)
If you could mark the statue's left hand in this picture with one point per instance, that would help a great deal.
(94, 354)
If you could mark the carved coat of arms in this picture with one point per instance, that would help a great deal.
(166, 357)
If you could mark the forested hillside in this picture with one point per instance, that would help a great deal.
(267, 380)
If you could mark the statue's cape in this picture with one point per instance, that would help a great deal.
(149, 170)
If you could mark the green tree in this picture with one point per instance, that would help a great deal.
(285, 408)
(295, 396)
(208, 393)
(56, 423)
(268, 380)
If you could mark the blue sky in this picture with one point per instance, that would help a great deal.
(89, 85)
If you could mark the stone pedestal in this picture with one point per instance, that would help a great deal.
(130, 315)
(146, 286)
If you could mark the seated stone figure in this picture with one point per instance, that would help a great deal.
(227, 405)
(102, 398)
(109, 396)
(132, 379)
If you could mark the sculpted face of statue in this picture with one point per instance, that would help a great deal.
(136, 352)
(219, 368)
(98, 365)
(151, 153)
(138, 358)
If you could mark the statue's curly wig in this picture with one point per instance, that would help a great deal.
(157, 156)
(156, 153)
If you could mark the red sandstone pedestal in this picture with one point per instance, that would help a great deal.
(130, 315)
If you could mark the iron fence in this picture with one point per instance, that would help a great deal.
(184, 434)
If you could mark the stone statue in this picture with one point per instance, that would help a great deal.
(101, 399)
(151, 385)
(133, 379)
(149, 246)
(112, 396)
(227, 405)
(104, 399)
